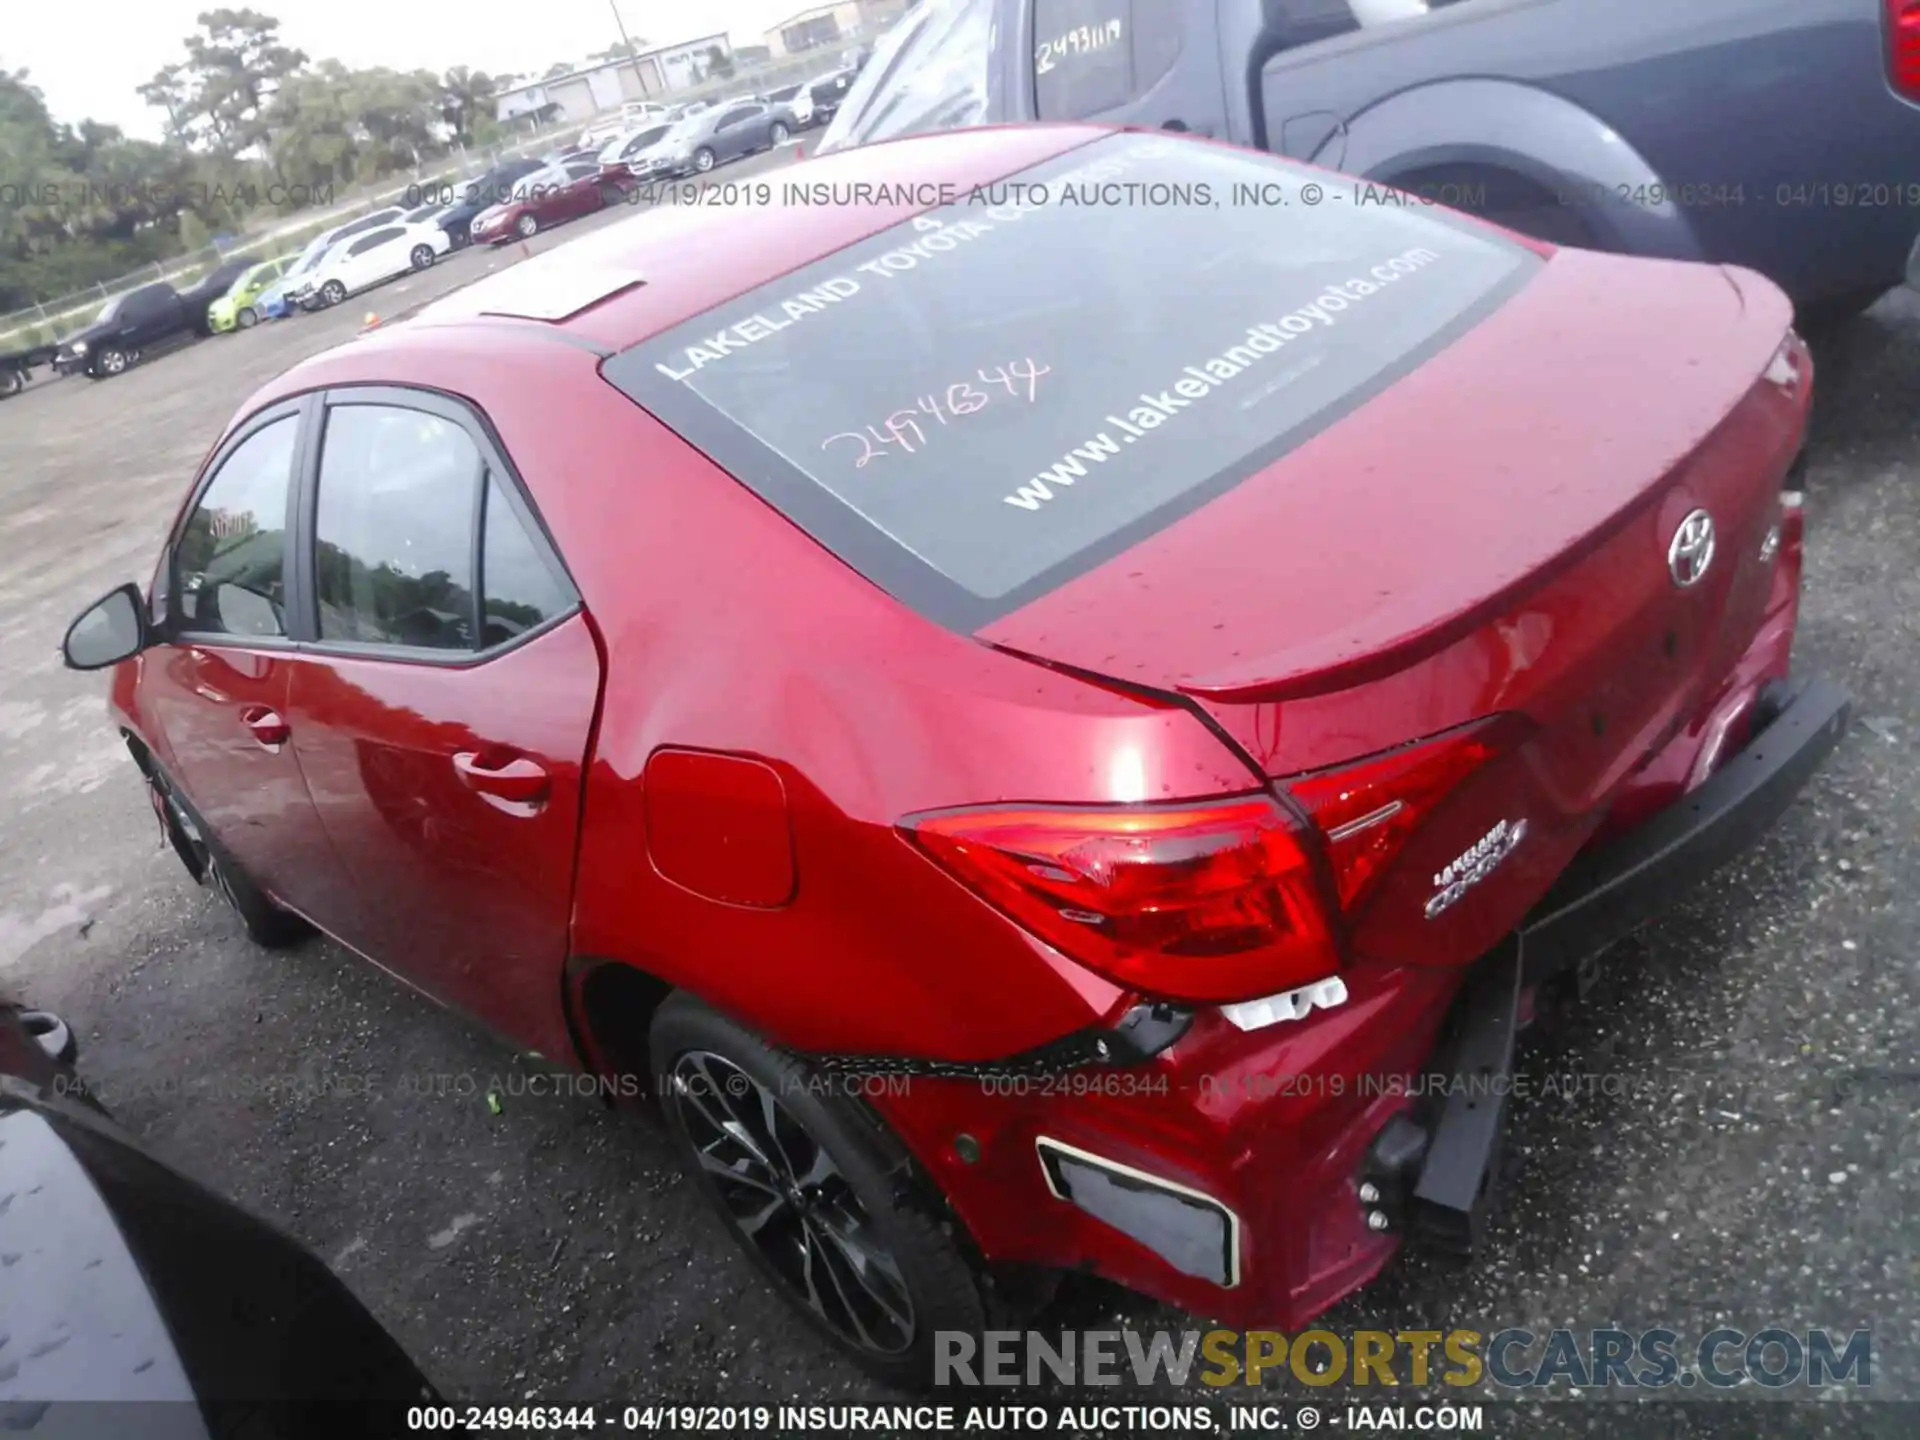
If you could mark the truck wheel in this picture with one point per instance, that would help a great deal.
(816, 1189)
(11, 382)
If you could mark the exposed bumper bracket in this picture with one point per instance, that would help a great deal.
(1602, 898)
(1452, 1197)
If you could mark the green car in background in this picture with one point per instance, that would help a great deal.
(235, 308)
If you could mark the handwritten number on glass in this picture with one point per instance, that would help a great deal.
(903, 428)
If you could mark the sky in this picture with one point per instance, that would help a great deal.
(89, 71)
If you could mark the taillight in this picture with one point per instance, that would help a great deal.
(1367, 810)
(1903, 46)
(1205, 901)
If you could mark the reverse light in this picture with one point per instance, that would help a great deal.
(1202, 901)
(1369, 809)
(1903, 46)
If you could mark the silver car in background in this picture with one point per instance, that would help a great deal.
(726, 132)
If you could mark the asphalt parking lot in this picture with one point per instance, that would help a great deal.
(1738, 1145)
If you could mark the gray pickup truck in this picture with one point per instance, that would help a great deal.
(1782, 135)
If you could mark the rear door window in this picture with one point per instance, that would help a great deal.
(975, 406)
(394, 527)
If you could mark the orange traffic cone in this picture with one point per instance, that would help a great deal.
(372, 322)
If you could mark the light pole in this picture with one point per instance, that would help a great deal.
(634, 59)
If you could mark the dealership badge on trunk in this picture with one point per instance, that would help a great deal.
(1471, 868)
(1692, 550)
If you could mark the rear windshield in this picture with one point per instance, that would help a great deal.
(974, 407)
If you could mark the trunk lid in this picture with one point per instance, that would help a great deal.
(1494, 533)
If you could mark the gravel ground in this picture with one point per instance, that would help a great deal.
(1750, 1160)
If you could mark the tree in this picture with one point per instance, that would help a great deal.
(559, 67)
(466, 100)
(719, 63)
(333, 125)
(90, 203)
(625, 50)
(217, 96)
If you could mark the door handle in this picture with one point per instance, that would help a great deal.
(267, 726)
(519, 781)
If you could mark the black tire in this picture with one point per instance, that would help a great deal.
(247, 318)
(266, 924)
(332, 293)
(848, 1189)
(422, 257)
(109, 362)
(778, 134)
(11, 381)
(527, 226)
(704, 160)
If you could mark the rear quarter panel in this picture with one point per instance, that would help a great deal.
(727, 630)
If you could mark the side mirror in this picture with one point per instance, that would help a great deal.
(112, 629)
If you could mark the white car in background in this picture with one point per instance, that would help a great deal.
(364, 260)
(627, 147)
(798, 99)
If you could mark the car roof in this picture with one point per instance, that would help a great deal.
(624, 284)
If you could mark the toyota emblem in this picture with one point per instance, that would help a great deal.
(1692, 550)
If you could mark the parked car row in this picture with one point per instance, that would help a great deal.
(241, 292)
(696, 143)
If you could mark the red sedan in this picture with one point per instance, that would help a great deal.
(560, 192)
(778, 654)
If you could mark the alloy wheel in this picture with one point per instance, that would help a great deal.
(113, 362)
(783, 1193)
(704, 161)
(422, 256)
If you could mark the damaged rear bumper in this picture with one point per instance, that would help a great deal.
(1260, 1176)
(1440, 1172)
